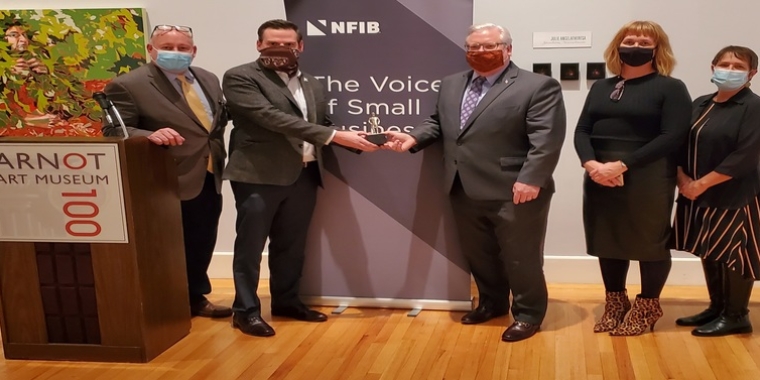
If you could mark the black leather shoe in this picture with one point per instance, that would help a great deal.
(252, 325)
(301, 314)
(481, 314)
(519, 330)
(209, 310)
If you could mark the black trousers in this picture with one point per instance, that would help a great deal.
(504, 247)
(200, 222)
(282, 214)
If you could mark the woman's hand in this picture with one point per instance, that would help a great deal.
(682, 179)
(608, 171)
(693, 189)
(593, 166)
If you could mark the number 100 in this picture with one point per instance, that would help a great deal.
(81, 213)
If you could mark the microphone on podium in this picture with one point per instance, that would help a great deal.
(109, 108)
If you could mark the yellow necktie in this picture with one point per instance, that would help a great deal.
(194, 101)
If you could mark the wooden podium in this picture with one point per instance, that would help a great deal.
(89, 300)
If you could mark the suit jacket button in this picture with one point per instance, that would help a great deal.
(455, 162)
(300, 145)
(459, 143)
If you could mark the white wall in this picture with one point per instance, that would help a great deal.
(226, 36)
(697, 30)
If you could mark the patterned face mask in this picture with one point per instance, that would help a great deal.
(280, 58)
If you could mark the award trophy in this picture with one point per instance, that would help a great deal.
(375, 135)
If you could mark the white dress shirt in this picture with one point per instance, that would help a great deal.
(294, 85)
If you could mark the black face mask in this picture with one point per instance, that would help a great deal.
(636, 56)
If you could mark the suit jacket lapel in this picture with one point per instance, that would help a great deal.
(506, 79)
(162, 84)
(275, 79)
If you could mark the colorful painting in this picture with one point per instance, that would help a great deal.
(53, 60)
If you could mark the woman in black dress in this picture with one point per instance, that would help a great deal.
(626, 135)
(718, 212)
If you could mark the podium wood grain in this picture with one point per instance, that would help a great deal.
(140, 287)
(20, 292)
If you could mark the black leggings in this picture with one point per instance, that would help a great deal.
(653, 275)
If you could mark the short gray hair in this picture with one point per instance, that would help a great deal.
(503, 32)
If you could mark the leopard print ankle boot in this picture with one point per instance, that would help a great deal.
(615, 308)
(644, 314)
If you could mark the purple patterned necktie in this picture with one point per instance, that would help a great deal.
(471, 100)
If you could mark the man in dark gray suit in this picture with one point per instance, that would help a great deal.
(181, 107)
(280, 125)
(502, 129)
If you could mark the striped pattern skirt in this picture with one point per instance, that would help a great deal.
(727, 236)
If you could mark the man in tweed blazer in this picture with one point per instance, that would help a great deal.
(280, 124)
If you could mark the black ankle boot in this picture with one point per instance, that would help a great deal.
(714, 279)
(725, 325)
(735, 318)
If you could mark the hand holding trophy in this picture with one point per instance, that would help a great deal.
(375, 135)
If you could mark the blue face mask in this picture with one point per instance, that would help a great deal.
(729, 80)
(173, 61)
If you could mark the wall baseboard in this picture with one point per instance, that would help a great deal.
(388, 303)
(558, 270)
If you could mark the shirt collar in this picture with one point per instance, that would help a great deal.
(284, 76)
(173, 77)
(491, 79)
(738, 98)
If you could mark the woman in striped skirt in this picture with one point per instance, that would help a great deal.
(718, 212)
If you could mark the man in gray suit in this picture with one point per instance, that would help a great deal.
(280, 123)
(182, 107)
(502, 129)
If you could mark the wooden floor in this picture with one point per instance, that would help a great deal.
(386, 344)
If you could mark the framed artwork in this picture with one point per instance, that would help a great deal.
(53, 60)
(596, 70)
(543, 68)
(569, 71)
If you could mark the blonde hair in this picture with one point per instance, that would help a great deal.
(663, 62)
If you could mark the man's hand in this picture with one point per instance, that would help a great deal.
(166, 136)
(37, 66)
(399, 142)
(524, 193)
(354, 140)
(20, 67)
(23, 67)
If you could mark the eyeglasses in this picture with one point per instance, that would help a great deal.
(487, 46)
(186, 30)
(617, 93)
